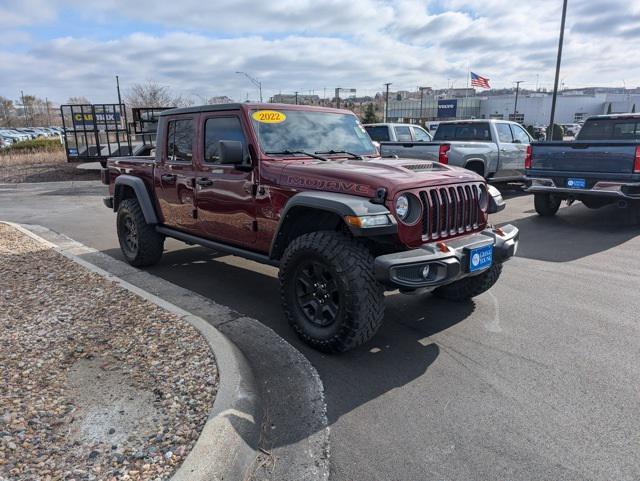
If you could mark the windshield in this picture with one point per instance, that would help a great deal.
(303, 130)
(469, 131)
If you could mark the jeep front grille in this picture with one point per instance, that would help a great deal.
(450, 210)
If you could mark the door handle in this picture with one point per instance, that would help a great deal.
(204, 182)
(169, 178)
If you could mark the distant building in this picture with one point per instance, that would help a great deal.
(291, 99)
(533, 107)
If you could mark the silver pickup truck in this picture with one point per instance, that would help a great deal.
(495, 149)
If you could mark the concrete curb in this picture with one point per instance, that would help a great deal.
(227, 446)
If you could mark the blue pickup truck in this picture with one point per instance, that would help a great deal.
(602, 166)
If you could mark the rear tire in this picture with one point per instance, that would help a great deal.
(470, 287)
(141, 245)
(546, 204)
(329, 292)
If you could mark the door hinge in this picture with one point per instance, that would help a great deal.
(254, 226)
(195, 213)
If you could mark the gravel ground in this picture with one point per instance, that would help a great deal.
(96, 382)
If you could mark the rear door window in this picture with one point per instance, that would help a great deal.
(180, 134)
(379, 133)
(504, 133)
(403, 134)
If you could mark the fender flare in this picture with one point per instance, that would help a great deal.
(340, 204)
(144, 199)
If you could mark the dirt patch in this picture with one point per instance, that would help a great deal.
(97, 384)
(109, 408)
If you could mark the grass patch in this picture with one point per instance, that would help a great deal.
(33, 152)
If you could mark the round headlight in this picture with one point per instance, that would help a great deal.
(402, 207)
(483, 198)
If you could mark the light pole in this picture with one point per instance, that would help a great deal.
(255, 82)
(421, 97)
(118, 89)
(559, 59)
(386, 101)
(515, 105)
(296, 98)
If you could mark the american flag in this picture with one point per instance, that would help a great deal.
(478, 81)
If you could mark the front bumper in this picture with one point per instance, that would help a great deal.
(404, 269)
(604, 188)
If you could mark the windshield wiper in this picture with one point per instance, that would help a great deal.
(331, 152)
(294, 152)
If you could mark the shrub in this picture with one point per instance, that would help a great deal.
(34, 145)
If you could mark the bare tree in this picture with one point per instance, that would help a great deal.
(7, 112)
(80, 100)
(152, 94)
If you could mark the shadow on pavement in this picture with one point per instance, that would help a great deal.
(400, 352)
(575, 232)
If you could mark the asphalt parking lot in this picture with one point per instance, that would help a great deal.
(537, 379)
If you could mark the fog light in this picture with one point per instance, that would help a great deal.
(425, 271)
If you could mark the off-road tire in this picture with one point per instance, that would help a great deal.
(361, 296)
(470, 287)
(150, 243)
(546, 204)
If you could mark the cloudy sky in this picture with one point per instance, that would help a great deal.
(60, 48)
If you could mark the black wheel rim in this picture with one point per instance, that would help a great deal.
(317, 293)
(130, 235)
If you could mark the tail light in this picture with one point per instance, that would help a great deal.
(527, 157)
(636, 162)
(443, 153)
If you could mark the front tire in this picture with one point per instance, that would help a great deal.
(470, 287)
(141, 245)
(329, 292)
(546, 204)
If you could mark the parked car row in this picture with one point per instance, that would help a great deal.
(600, 167)
(10, 136)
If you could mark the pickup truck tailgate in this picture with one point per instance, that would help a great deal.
(411, 150)
(593, 156)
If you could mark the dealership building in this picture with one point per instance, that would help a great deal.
(533, 108)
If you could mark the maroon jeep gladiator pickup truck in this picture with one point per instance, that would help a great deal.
(303, 188)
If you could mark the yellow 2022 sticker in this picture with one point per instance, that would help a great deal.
(269, 116)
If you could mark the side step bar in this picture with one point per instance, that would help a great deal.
(235, 251)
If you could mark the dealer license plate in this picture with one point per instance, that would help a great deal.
(480, 258)
(576, 183)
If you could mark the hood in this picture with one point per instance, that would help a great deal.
(364, 177)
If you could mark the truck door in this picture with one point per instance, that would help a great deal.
(175, 175)
(508, 153)
(225, 194)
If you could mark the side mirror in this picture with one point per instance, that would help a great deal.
(496, 202)
(231, 152)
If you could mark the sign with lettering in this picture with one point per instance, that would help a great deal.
(447, 108)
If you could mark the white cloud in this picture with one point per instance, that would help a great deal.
(304, 45)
